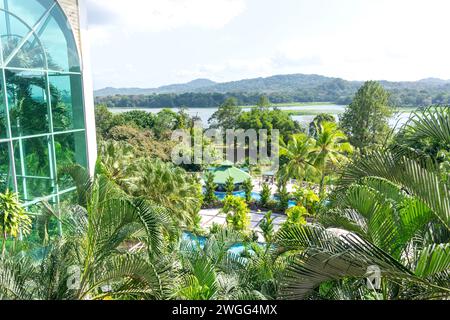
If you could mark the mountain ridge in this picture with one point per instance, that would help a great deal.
(271, 84)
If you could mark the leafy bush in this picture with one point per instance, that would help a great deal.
(265, 194)
(266, 226)
(13, 218)
(237, 213)
(283, 203)
(248, 188)
(296, 216)
(210, 187)
(308, 199)
(229, 186)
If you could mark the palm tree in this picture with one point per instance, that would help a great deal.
(111, 247)
(300, 163)
(330, 151)
(117, 161)
(170, 187)
(321, 256)
(212, 272)
(390, 211)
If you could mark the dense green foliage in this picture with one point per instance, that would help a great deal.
(13, 218)
(248, 188)
(209, 196)
(230, 116)
(124, 237)
(296, 216)
(265, 194)
(227, 114)
(238, 213)
(317, 121)
(366, 119)
(230, 186)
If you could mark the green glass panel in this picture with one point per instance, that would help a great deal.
(3, 119)
(27, 100)
(6, 177)
(59, 43)
(44, 229)
(12, 31)
(30, 56)
(32, 161)
(70, 149)
(28, 10)
(67, 102)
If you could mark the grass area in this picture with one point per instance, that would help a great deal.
(406, 109)
(309, 112)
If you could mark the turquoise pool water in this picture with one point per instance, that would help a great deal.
(255, 196)
(241, 194)
(236, 249)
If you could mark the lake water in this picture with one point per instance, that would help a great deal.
(310, 112)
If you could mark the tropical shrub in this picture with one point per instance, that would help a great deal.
(296, 216)
(210, 188)
(284, 196)
(248, 188)
(308, 199)
(229, 186)
(267, 227)
(238, 213)
(265, 194)
(13, 218)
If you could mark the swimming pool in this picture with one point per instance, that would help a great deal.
(241, 194)
(255, 196)
(236, 249)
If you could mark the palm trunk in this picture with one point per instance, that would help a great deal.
(4, 244)
(322, 183)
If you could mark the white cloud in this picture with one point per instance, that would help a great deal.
(352, 39)
(160, 15)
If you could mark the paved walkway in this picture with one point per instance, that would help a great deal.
(210, 216)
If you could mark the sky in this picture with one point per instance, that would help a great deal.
(150, 43)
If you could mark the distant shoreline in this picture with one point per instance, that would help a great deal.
(273, 105)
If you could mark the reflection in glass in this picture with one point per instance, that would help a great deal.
(41, 95)
(28, 11)
(6, 177)
(67, 101)
(70, 148)
(3, 119)
(27, 102)
(33, 167)
(59, 44)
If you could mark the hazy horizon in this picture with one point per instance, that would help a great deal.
(148, 44)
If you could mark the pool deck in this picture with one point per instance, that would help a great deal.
(210, 216)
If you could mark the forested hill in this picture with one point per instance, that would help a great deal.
(280, 89)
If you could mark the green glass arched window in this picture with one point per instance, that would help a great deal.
(42, 127)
